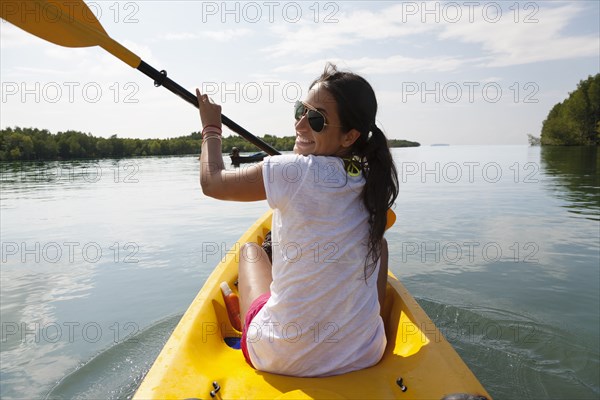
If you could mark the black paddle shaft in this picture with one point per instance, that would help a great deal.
(160, 79)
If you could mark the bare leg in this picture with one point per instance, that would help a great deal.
(254, 275)
(383, 273)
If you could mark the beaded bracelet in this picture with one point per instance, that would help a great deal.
(211, 134)
(211, 128)
(205, 138)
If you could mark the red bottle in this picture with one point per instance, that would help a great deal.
(232, 304)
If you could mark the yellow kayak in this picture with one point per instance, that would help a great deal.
(198, 362)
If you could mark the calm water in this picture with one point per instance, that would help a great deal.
(500, 245)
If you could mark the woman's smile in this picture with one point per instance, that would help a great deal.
(304, 140)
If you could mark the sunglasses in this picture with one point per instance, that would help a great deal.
(316, 120)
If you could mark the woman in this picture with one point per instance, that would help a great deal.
(315, 311)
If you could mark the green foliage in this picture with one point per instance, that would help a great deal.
(533, 140)
(35, 144)
(402, 143)
(575, 121)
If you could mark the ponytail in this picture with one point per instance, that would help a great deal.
(379, 193)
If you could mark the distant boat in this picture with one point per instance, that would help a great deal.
(237, 159)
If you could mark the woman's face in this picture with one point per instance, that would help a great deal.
(331, 140)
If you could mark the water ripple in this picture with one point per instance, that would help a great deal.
(517, 356)
(116, 372)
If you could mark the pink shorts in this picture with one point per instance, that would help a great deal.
(255, 307)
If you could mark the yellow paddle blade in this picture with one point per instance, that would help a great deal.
(391, 219)
(53, 20)
(68, 23)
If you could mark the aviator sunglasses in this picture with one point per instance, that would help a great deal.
(316, 120)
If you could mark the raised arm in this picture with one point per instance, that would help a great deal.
(240, 184)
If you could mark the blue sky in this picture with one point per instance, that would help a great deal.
(473, 72)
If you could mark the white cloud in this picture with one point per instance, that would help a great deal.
(179, 36)
(13, 37)
(383, 65)
(225, 35)
(30, 72)
(220, 35)
(503, 43)
(310, 38)
(398, 63)
(304, 41)
(507, 42)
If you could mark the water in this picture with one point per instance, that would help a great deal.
(500, 245)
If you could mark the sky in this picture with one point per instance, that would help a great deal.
(457, 72)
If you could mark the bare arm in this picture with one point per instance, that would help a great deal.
(241, 184)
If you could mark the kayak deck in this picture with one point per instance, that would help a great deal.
(196, 359)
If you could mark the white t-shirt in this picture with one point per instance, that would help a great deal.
(322, 317)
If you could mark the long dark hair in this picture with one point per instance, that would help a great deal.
(357, 109)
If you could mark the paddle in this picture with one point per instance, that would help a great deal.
(72, 24)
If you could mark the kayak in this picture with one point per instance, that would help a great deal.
(201, 359)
